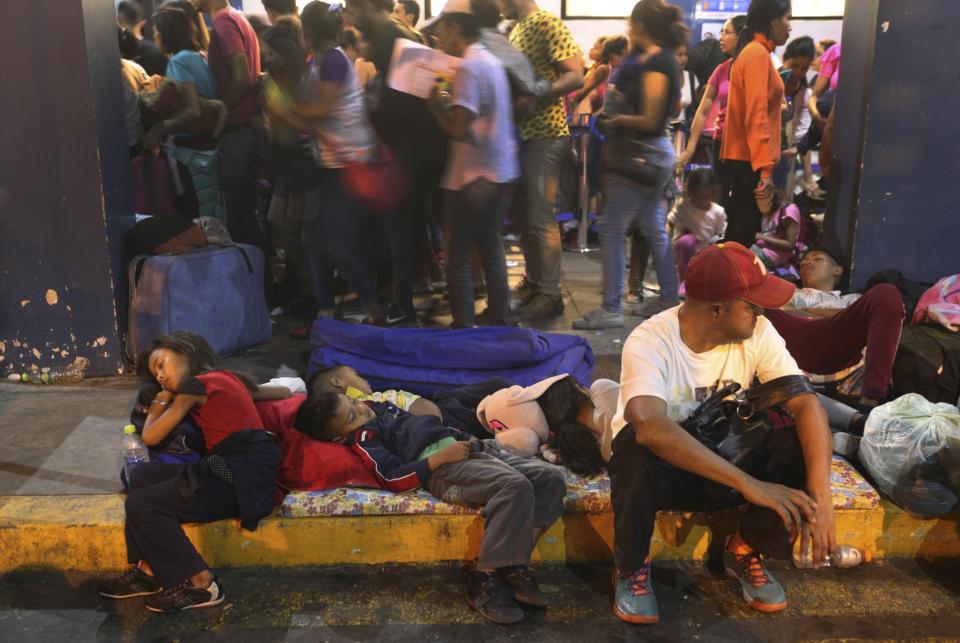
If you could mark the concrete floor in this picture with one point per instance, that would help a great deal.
(893, 601)
(65, 439)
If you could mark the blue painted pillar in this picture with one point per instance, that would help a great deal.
(65, 195)
(896, 174)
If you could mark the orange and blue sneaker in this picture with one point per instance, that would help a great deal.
(760, 589)
(634, 600)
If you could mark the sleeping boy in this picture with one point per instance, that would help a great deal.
(457, 406)
(520, 497)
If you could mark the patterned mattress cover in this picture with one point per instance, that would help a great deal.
(850, 491)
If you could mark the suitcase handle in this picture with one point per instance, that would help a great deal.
(243, 253)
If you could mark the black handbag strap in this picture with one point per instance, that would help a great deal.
(777, 391)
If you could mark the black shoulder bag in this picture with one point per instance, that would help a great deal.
(736, 429)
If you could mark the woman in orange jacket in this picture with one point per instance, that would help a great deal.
(751, 136)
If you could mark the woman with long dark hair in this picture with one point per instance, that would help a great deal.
(751, 137)
(643, 97)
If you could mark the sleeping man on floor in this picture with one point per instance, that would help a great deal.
(521, 497)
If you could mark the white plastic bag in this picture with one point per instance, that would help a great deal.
(911, 447)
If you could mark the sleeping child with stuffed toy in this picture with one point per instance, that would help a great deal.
(558, 418)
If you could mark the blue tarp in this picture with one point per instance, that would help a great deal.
(426, 360)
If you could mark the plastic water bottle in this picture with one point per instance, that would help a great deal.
(134, 451)
(845, 556)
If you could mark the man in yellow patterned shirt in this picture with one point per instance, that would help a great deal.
(555, 56)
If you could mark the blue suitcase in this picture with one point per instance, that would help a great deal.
(216, 292)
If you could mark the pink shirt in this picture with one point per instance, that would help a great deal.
(830, 65)
(720, 81)
(773, 224)
(231, 35)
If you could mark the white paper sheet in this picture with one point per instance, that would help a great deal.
(414, 68)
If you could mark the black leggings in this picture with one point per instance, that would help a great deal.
(156, 509)
(743, 215)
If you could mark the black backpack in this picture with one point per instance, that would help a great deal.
(928, 363)
(911, 291)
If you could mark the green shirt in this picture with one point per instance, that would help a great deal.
(430, 449)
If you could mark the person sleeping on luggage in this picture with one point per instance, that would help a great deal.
(521, 497)
(456, 407)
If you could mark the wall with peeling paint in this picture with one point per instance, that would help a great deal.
(64, 188)
(898, 140)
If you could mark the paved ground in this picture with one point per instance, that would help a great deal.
(65, 440)
(898, 601)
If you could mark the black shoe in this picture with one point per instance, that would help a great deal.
(525, 588)
(396, 315)
(542, 305)
(134, 583)
(186, 597)
(526, 290)
(487, 594)
(486, 319)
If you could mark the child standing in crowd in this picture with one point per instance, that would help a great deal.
(696, 221)
(777, 242)
(235, 480)
(482, 169)
(520, 497)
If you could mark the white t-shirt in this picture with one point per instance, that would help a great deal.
(657, 363)
(813, 298)
(490, 150)
(605, 395)
(706, 225)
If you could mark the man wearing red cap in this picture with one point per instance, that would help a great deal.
(671, 363)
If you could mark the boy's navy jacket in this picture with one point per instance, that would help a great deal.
(390, 445)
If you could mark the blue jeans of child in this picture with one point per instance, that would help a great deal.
(334, 229)
(624, 202)
(473, 218)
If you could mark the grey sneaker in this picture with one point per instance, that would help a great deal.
(542, 305)
(651, 307)
(598, 319)
(760, 589)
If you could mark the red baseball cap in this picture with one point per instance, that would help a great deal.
(728, 271)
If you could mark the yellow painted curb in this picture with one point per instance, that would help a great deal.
(85, 533)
